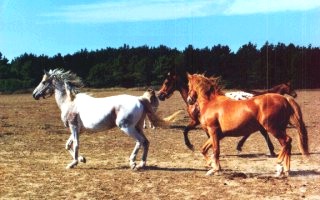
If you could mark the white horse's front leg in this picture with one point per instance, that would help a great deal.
(70, 149)
(133, 155)
(69, 144)
(75, 143)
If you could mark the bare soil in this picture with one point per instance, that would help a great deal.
(33, 158)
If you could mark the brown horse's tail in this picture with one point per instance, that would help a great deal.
(154, 118)
(297, 121)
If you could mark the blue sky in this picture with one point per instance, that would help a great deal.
(65, 26)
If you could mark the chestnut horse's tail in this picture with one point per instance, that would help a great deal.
(154, 118)
(297, 121)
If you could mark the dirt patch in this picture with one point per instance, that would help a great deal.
(33, 159)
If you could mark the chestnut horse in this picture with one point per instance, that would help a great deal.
(222, 117)
(175, 82)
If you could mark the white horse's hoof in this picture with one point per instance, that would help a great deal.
(133, 165)
(68, 147)
(142, 165)
(82, 159)
(72, 164)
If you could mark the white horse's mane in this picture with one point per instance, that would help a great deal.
(68, 77)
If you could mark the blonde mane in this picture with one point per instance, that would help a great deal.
(207, 86)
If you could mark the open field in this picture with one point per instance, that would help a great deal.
(33, 158)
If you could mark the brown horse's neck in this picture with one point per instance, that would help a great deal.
(276, 89)
(184, 93)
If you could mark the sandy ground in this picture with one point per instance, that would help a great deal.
(33, 159)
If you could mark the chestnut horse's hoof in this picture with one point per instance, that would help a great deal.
(213, 172)
(279, 170)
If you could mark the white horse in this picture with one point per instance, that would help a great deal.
(239, 95)
(79, 110)
(151, 96)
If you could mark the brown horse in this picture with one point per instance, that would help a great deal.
(284, 88)
(222, 117)
(175, 82)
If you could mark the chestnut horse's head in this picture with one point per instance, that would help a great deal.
(202, 87)
(170, 84)
(192, 94)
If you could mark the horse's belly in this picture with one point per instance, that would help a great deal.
(100, 123)
(239, 129)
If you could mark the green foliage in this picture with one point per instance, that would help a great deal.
(127, 66)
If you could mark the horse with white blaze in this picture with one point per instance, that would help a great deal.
(82, 111)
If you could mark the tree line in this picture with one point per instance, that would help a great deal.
(127, 66)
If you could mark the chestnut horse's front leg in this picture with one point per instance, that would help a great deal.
(204, 151)
(214, 137)
(189, 127)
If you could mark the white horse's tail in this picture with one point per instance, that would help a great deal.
(154, 118)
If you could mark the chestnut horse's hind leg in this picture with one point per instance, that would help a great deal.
(283, 166)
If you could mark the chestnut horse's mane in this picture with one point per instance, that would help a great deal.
(207, 85)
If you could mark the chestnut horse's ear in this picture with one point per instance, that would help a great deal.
(189, 76)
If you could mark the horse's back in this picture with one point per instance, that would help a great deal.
(106, 112)
(273, 109)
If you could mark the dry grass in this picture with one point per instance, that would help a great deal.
(33, 159)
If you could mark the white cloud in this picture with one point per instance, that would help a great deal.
(147, 10)
(245, 7)
(139, 10)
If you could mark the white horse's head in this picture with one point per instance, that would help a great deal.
(56, 79)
